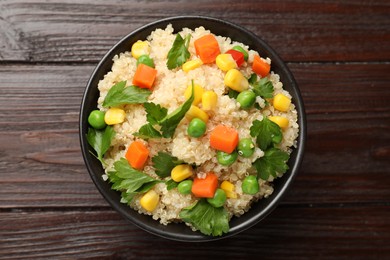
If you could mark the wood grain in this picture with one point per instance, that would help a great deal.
(41, 164)
(348, 146)
(70, 31)
(338, 206)
(294, 233)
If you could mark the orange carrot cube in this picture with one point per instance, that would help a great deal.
(144, 76)
(224, 138)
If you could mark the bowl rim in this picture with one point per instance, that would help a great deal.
(288, 177)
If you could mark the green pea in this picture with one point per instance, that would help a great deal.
(196, 128)
(242, 50)
(250, 185)
(145, 59)
(219, 198)
(246, 147)
(185, 187)
(96, 119)
(246, 99)
(226, 159)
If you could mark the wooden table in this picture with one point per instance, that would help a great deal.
(338, 206)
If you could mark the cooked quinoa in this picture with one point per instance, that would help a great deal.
(167, 91)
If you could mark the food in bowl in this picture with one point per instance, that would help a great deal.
(192, 127)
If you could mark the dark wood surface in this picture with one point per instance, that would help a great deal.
(339, 204)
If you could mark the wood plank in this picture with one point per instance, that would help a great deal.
(41, 159)
(348, 146)
(311, 30)
(41, 163)
(294, 233)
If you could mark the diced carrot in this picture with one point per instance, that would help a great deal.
(260, 67)
(137, 154)
(144, 76)
(207, 48)
(224, 138)
(205, 188)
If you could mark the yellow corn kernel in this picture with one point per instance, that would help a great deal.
(149, 200)
(198, 92)
(228, 187)
(225, 62)
(231, 194)
(235, 80)
(114, 116)
(209, 100)
(281, 102)
(195, 111)
(140, 48)
(192, 64)
(181, 172)
(280, 121)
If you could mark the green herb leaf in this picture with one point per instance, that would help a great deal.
(263, 88)
(171, 184)
(164, 163)
(100, 140)
(127, 197)
(147, 186)
(178, 54)
(147, 131)
(266, 133)
(169, 123)
(273, 162)
(233, 93)
(206, 218)
(155, 113)
(119, 94)
(252, 78)
(130, 181)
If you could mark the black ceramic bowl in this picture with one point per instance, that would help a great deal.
(180, 231)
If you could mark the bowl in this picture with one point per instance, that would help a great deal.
(179, 231)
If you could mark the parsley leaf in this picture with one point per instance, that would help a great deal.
(170, 122)
(164, 163)
(147, 131)
(171, 184)
(206, 218)
(155, 113)
(178, 54)
(252, 78)
(127, 197)
(119, 94)
(274, 161)
(266, 133)
(129, 180)
(233, 93)
(263, 88)
(100, 140)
